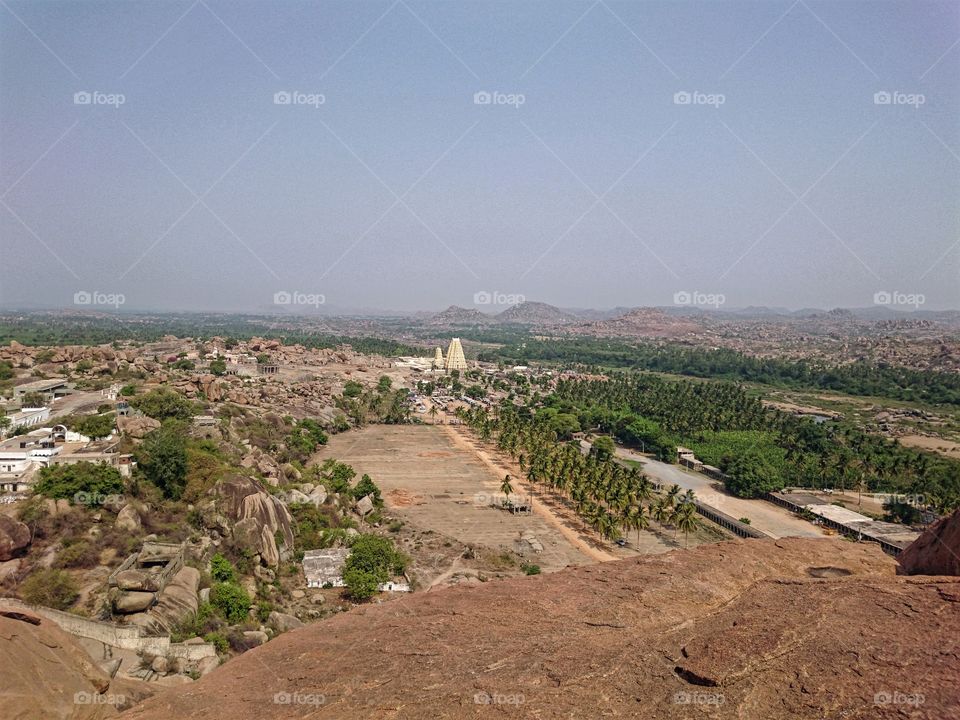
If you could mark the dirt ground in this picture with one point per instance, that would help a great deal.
(429, 481)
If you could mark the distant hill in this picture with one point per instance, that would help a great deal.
(535, 313)
(458, 316)
(642, 322)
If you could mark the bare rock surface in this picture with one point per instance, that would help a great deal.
(743, 629)
(46, 674)
(936, 551)
(14, 538)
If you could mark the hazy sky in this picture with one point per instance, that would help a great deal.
(186, 182)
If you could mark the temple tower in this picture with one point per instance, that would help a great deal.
(455, 358)
(438, 360)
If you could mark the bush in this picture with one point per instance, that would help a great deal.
(372, 560)
(80, 554)
(531, 569)
(50, 588)
(231, 601)
(164, 403)
(162, 458)
(93, 426)
(67, 481)
(222, 570)
(219, 641)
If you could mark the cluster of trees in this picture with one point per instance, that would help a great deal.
(53, 330)
(759, 449)
(858, 378)
(610, 497)
(79, 479)
(373, 560)
(381, 404)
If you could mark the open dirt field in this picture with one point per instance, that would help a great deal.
(428, 480)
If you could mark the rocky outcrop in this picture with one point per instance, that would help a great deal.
(14, 538)
(175, 603)
(137, 427)
(936, 551)
(773, 629)
(251, 517)
(128, 519)
(46, 674)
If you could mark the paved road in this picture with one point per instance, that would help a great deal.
(763, 515)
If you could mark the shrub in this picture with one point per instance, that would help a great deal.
(50, 588)
(222, 570)
(80, 554)
(231, 601)
(164, 403)
(67, 481)
(219, 641)
(372, 560)
(531, 569)
(163, 460)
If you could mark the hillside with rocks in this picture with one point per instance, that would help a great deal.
(792, 628)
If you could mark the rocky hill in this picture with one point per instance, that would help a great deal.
(456, 316)
(791, 628)
(643, 322)
(534, 313)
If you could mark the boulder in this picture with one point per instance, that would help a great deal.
(282, 622)
(936, 551)
(364, 505)
(160, 665)
(128, 519)
(9, 568)
(137, 427)
(132, 602)
(138, 580)
(208, 665)
(255, 637)
(14, 538)
(254, 518)
(177, 602)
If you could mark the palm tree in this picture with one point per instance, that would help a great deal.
(506, 488)
(433, 413)
(686, 521)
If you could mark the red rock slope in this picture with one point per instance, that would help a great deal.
(937, 551)
(790, 628)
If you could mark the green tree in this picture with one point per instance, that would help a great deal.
(162, 458)
(79, 480)
(373, 560)
(506, 488)
(222, 570)
(218, 366)
(231, 601)
(163, 403)
(384, 384)
(365, 487)
(93, 426)
(603, 447)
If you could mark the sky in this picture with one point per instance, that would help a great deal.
(268, 156)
